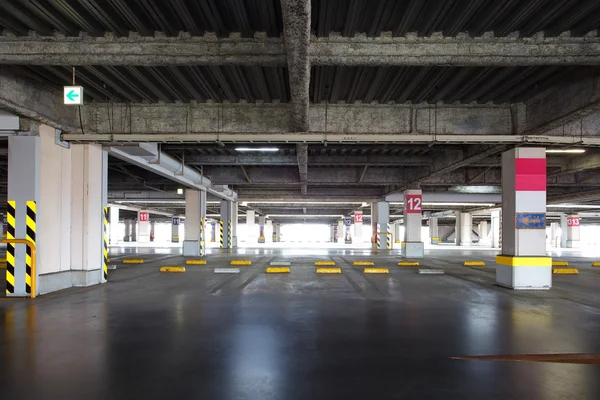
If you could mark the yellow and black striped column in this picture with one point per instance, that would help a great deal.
(105, 249)
(30, 230)
(378, 236)
(221, 233)
(388, 238)
(202, 236)
(10, 248)
(229, 235)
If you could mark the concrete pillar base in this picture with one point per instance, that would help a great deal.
(524, 278)
(191, 248)
(413, 249)
(573, 244)
(261, 239)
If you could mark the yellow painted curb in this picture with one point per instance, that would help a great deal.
(133, 261)
(329, 270)
(473, 263)
(524, 261)
(240, 262)
(172, 269)
(195, 262)
(376, 271)
(363, 263)
(277, 270)
(324, 263)
(408, 263)
(596, 264)
(435, 238)
(560, 263)
(565, 271)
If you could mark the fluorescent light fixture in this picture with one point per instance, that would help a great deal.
(300, 202)
(261, 149)
(568, 151)
(179, 190)
(460, 204)
(582, 206)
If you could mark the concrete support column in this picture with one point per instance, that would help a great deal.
(358, 226)
(225, 236)
(175, 229)
(563, 231)
(466, 227)
(134, 229)
(484, 237)
(433, 230)
(195, 217)
(152, 230)
(457, 228)
(277, 233)
(523, 263)
(380, 220)
(234, 223)
(262, 221)
(113, 214)
(143, 226)
(340, 231)
(127, 235)
(332, 232)
(496, 229)
(269, 229)
(250, 229)
(573, 231)
(397, 237)
(56, 199)
(413, 246)
(213, 233)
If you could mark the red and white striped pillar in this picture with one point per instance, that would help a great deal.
(523, 263)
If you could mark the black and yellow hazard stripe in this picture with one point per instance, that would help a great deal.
(229, 246)
(221, 233)
(105, 249)
(201, 236)
(10, 248)
(388, 239)
(30, 230)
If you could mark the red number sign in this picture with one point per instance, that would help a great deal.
(413, 203)
(573, 221)
(358, 217)
(144, 216)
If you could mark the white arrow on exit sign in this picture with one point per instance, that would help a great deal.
(73, 95)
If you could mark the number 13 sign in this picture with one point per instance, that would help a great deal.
(413, 203)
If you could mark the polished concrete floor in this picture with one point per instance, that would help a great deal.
(202, 335)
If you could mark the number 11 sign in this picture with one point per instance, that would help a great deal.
(413, 203)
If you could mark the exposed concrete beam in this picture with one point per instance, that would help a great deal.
(571, 109)
(246, 174)
(342, 161)
(583, 162)
(296, 28)
(333, 50)
(362, 174)
(26, 99)
(302, 155)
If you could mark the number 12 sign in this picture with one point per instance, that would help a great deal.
(413, 203)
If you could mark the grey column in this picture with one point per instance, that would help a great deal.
(484, 238)
(380, 215)
(226, 215)
(457, 226)
(195, 214)
(340, 231)
(397, 237)
(213, 234)
(250, 222)
(175, 229)
(234, 223)
(134, 230)
(277, 233)
(434, 233)
(466, 227)
(114, 224)
(262, 221)
(496, 229)
(573, 231)
(127, 237)
(152, 230)
(563, 231)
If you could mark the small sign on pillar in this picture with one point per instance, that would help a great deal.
(144, 216)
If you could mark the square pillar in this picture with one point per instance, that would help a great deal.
(397, 233)
(195, 219)
(457, 228)
(250, 226)
(563, 231)
(496, 229)
(225, 225)
(484, 237)
(127, 234)
(175, 221)
(573, 231)
(133, 225)
(262, 221)
(554, 236)
(380, 220)
(332, 232)
(143, 226)
(269, 229)
(340, 231)
(358, 225)
(523, 264)
(277, 233)
(433, 230)
(114, 225)
(413, 246)
(466, 227)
